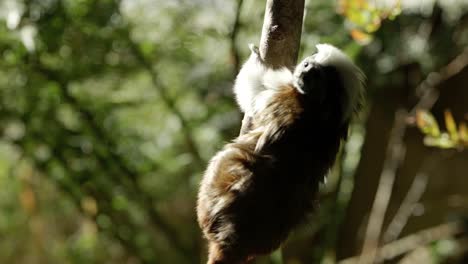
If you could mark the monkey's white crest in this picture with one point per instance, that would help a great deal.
(256, 82)
(353, 78)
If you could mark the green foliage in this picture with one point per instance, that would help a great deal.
(453, 138)
(366, 16)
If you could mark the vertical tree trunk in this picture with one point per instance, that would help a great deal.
(281, 34)
(281, 37)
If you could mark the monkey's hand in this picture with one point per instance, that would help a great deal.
(254, 49)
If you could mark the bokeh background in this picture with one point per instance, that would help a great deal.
(110, 110)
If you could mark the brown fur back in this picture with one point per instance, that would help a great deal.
(263, 184)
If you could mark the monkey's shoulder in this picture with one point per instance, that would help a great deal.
(283, 105)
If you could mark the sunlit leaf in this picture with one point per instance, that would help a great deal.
(120, 202)
(427, 123)
(372, 27)
(28, 199)
(360, 36)
(443, 142)
(147, 48)
(396, 11)
(451, 125)
(463, 132)
(89, 205)
(366, 16)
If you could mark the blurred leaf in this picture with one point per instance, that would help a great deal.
(360, 36)
(451, 125)
(89, 205)
(443, 141)
(427, 123)
(120, 202)
(28, 199)
(396, 11)
(463, 132)
(147, 48)
(366, 17)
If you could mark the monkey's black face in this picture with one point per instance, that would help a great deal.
(321, 85)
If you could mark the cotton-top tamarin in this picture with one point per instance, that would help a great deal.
(264, 183)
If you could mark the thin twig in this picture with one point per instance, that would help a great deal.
(409, 203)
(427, 89)
(146, 200)
(407, 207)
(411, 242)
(419, 255)
(76, 194)
(394, 157)
(130, 176)
(233, 38)
(169, 102)
(428, 96)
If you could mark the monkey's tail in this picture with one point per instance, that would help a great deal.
(217, 255)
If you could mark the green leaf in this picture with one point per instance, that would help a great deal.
(451, 125)
(426, 122)
(443, 142)
(463, 132)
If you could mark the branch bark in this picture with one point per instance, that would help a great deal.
(281, 37)
(427, 91)
(394, 157)
(411, 242)
(281, 33)
(414, 194)
(233, 38)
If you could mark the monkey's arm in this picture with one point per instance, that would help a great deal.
(247, 85)
(281, 111)
(248, 81)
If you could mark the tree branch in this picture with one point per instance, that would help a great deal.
(281, 37)
(169, 102)
(233, 38)
(428, 95)
(407, 207)
(427, 91)
(281, 33)
(413, 195)
(394, 157)
(124, 173)
(411, 242)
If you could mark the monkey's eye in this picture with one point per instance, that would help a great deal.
(306, 64)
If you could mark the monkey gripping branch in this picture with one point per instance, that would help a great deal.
(263, 184)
